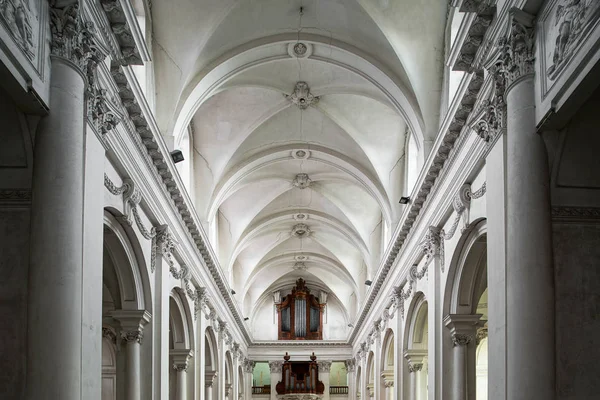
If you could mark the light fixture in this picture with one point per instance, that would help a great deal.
(404, 200)
(246, 318)
(350, 326)
(232, 291)
(177, 156)
(368, 282)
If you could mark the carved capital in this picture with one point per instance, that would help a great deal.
(133, 336)
(431, 244)
(72, 38)
(415, 367)
(350, 364)
(180, 359)
(481, 334)
(249, 366)
(518, 48)
(275, 366)
(460, 339)
(324, 366)
(110, 334)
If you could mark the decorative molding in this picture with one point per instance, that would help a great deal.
(299, 266)
(133, 336)
(350, 365)
(324, 366)
(301, 231)
(415, 367)
(432, 244)
(301, 181)
(300, 49)
(117, 18)
(143, 137)
(73, 39)
(15, 196)
(460, 339)
(484, 14)
(481, 334)
(249, 366)
(517, 53)
(275, 366)
(110, 334)
(575, 213)
(302, 97)
(295, 343)
(430, 175)
(164, 244)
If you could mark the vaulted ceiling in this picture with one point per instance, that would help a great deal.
(303, 129)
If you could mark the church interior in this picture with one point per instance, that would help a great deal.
(299, 199)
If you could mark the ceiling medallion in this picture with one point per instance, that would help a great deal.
(300, 217)
(300, 266)
(302, 97)
(301, 154)
(299, 49)
(301, 181)
(300, 257)
(301, 231)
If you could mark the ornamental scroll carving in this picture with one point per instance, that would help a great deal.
(17, 16)
(302, 97)
(73, 38)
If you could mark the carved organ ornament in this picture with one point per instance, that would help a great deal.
(300, 315)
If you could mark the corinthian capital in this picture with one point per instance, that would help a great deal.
(517, 48)
(73, 37)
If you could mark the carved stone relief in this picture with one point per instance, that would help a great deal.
(568, 24)
(17, 16)
(302, 97)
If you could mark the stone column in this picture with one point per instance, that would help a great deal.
(350, 368)
(324, 369)
(249, 372)
(56, 366)
(132, 333)
(221, 364)
(209, 380)
(415, 360)
(180, 359)
(388, 384)
(275, 368)
(463, 329)
(530, 277)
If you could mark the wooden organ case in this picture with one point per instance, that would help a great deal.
(300, 315)
(300, 377)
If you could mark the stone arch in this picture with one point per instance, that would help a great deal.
(126, 300)
(416, 348)
(465, 309)
(467, 273)
(211, 363)
(228, 375)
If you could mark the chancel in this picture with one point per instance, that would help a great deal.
(299, 199)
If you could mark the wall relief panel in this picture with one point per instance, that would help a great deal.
(565, 26)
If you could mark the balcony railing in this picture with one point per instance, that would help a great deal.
(338, 389)
(261, 389)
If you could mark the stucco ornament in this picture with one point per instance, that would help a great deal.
(301, 230)
(301, 181)
(300, 266)
(517, 49)
(73, 37)
(302, 97)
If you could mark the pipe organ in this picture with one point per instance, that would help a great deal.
(300, 315)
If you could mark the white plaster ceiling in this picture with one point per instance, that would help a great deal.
(225, 67)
